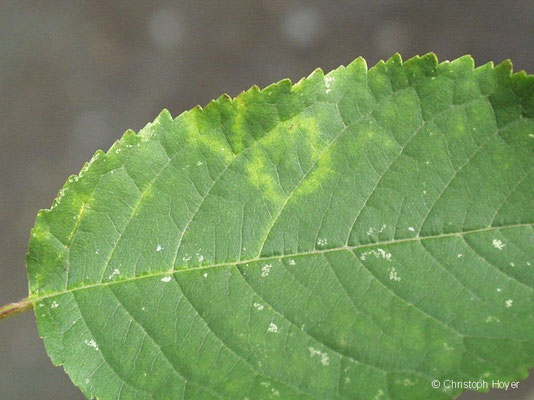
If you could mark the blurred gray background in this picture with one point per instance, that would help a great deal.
(75, 75)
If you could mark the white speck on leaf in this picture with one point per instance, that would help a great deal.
(186, 258)
(378, 253)
(205, 275)
(258, 306)
(159, 248)
(327, 82)
(460, 255)
(115, 273)
(498, 244)
(97, 251)
(499, 289)
(405, 382)
(371, 230)
(292, 262)
(322, 242)
(265, 270)
(322, 356)
(512, 264)
(91, 343)
(509, 303)
(199, 163)
(411, 229)
(276, 393)
(272, 328)
(393, 275)
(166, 279)
(384, 254)
(491, 318)
(54, 304)
(200, 257)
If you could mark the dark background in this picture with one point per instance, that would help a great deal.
(75, 75)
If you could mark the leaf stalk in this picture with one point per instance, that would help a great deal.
(12, 309)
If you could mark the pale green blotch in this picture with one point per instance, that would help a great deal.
(279, 150)
(321, 157)
(75, 202)
(373, 135)
(265, 157)
(49, 246)
(237, 138)
(206, 137)
(40, 232)
(262, 175)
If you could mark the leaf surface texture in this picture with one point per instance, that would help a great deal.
(353, 236)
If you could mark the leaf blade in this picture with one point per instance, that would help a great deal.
(353, 175)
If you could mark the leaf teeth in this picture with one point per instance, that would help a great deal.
(358, 63)
(464, 60)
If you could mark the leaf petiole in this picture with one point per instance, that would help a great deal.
(12, 309)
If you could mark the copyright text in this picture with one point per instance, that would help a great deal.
(473, 385)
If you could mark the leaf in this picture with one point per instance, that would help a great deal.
(353, 236)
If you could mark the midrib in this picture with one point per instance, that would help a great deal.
(278, 257)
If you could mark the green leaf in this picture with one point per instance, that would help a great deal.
(353, 236)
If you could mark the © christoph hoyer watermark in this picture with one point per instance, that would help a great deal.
(474, 385)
